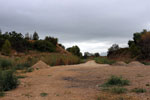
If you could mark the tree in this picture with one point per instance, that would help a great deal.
(97, 54)
(35, 36)
(51, 39)
(75, 50)
(0, 32)
(44, 46)
(112, 49)
(6, 48)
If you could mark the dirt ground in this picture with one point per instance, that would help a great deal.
(78, 82)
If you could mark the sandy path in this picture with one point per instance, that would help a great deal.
(76, 82)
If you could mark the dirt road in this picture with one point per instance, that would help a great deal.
(76, 82)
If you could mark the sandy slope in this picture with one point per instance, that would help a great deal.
(76, 82)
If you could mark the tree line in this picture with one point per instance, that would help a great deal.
(139, 47)
(20, 43)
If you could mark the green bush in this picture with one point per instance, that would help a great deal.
(44, 46)
(23, 65)
(118, 90)
(104, 60)
(43, 94)
(139, 90)
(5, 64)
(115, 80)
(6, 48)
(8, 80)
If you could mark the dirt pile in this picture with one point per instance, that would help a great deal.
(120, 63)
(40, 65)
(135, 63)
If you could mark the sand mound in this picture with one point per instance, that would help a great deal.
(40, 65)
(120, 63)
(135, 63)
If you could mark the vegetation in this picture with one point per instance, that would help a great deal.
(115, 80)
(118, 90)
(44, 46)
(43, 94)
(104, 60)
(16, 41)
(75, 50)
(138, 90)
(6, 48)
(139, 47)
(8, 80)
(5, 64)
(90, 55)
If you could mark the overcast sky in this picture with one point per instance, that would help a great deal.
(93, 25)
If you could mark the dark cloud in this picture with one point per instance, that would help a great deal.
(77, 20)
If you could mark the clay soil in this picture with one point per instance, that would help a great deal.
(79, 82)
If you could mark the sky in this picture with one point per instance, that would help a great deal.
(93, 25)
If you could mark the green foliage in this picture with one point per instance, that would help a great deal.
(60, 59)
(138, 90)
(75, 50)
(5, 63)
(113, 48)
(24, 65)
(8, 80)
(35, 36)
(115, 80)
(119, 90)
(44, 46)
(43, 94)
(6, 48)
(53, 40)
(28, 70)
(104, 60)
(140, 46)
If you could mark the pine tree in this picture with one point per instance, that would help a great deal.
(6, 48)
(35, 36)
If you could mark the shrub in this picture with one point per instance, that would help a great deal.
(43, 94)
(6, 48)
(118, 90)
(139, 90)
(114, 80)
(8, 80)
(75, 50)
(29, 70)
(51, 39)
(44, 46)
(23, 65)
(5, 63)
(104, 60)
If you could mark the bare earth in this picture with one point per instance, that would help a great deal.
(77, 82)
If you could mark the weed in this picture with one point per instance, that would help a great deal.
(138, 90)
(21, 77)
(43, 94)
(5, 63)
(103, 60)
(119, 81)
(118, 90)
(8, 80)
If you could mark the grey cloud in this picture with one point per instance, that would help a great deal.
(76, 20)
